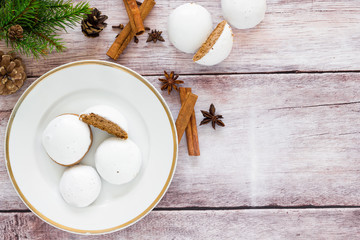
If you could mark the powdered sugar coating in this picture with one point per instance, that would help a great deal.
(243, 14)
(189, 25)
(118, 161)
(66, 139)
(80, 185)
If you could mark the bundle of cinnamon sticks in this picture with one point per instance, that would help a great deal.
(135, 26)
(186, 121)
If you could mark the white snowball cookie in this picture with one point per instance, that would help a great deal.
(109, 113)
(243, 14)
(118, 161)
(189, 25)
(220, 50)
(80, 185)
(66, 139)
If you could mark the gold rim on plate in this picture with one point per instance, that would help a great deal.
(8, 162)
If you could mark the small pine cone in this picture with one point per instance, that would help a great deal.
(12, 73)
(15, 32)
(94, 23)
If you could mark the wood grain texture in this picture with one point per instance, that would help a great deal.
(304, 35)
(234, 224)
(289, 140)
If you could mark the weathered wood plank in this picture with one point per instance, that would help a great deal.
(295, 35)
(8, 198)
(234, 224)
(290, 140)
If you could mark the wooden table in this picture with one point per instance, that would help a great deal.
(287, 164)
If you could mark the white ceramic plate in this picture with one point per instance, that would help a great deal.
(71, 88)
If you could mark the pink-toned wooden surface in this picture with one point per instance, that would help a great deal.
(286, 166)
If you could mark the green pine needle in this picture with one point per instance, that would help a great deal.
(41, 21)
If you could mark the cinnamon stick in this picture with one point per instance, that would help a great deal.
(135, 20)
(126, 35)
(192, 138)
(185, 113)
(188, 130)
(194, 131)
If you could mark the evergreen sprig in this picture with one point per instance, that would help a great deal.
(41, 21)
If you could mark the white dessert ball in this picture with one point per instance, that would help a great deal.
(109, 113)
(243, 14)
(189, 25)
(118, 161)
(66, 139)
(80, 185)
(215, 50)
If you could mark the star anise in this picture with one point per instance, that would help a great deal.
(170, 82)
(211, 117)
(155, 36)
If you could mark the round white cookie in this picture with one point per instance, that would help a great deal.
(66, 139)
(220, 50)
(189, 25)
(80, 185)
(243, 14)
(118, 161)
(109, 113)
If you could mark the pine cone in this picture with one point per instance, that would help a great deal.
(12, 73)
(15, 32)
(94, 23)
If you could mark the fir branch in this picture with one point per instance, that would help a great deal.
(40, 20)
(38, 43)
(65, 16)
(29, 45)
(2, 33)
(25, 11)
(19, 12)
(51, 41)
